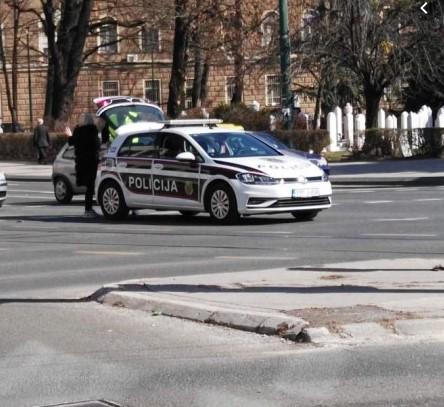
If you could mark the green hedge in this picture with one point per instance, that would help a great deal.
(305, 140)
(401, 143)
(18, 146)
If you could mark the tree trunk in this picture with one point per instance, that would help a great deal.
(180, 57)
(317, 111)
(65, 56)
(238, 54)
(10, 79)
(204, 83)
(198, 75)
(372, 97)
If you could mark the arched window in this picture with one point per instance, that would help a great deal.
(108, 38)
(269, 27)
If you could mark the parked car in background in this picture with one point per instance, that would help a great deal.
(279, 145)
(3, 188)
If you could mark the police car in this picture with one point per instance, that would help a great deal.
(192, 166)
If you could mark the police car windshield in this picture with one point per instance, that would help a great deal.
(119, 115)
(271, 140)
(233, 144)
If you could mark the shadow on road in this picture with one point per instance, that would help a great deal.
(158, 219)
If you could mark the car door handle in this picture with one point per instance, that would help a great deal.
(158, 166)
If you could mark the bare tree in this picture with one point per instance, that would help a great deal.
(368, 41)
(10, 42)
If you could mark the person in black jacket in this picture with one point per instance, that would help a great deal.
(40, 140)
(86, 142)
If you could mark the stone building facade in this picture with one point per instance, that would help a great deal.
(140, 65)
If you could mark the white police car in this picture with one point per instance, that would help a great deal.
(192, 167)
(3, 188)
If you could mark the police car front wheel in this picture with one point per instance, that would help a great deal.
(221, 204)
(112, 201)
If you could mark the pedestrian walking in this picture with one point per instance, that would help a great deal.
(86, 142)
(41, 140)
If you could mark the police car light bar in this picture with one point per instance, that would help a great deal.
(191, 122)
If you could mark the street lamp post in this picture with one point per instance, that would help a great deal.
(29, 80)
(284, 43)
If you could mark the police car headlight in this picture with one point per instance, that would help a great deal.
(248, 178)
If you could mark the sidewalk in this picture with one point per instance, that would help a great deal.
(409, 171)
(413, 171)
(373, 299)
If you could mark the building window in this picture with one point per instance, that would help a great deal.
(269, 28)
(108, 38)
(230, 86)
(308, 20)
(110, 88)
(273, 90)
(189, 93)
(150, 40)
(152, 91)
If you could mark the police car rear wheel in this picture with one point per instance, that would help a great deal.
(304, 215)
(221, 203)
(112, 201)
(62, 191)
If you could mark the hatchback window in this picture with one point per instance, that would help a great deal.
(69, 153)
(140, 145)
(233, 144)
(119, 115)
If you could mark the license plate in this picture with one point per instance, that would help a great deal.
(304, 193)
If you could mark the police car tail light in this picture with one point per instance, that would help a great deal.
(248, 178)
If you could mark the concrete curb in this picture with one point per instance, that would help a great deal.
(291, 328)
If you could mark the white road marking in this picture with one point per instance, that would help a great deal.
(107, 253)
(30, 197)
(262, 232)
(255, 257)
(397, 235)
(428, 199)
(33, 192)
(377, 202)
(400, 219)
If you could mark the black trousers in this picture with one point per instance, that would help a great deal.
(41, 154)
(89, 196)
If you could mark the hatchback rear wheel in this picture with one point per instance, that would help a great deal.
(62, 190)
(112, 201)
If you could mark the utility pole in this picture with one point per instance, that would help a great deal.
(284, 43)
(31, 120)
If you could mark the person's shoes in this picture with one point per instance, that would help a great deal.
(90, 214)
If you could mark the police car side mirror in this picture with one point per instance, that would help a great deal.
(186, 156)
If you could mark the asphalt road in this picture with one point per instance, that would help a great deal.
(50, 251)
(54, 353)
